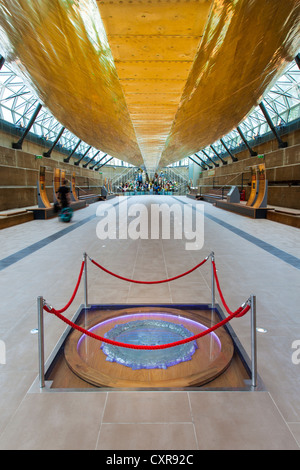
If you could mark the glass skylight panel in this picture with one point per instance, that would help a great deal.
(282, 103)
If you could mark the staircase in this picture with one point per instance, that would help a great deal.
(181, 178)
(127, 175)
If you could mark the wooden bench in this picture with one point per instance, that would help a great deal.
(9, 219)
(213, 194)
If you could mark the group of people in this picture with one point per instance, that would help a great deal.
(159, 184)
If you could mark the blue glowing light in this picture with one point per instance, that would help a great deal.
(150, 331)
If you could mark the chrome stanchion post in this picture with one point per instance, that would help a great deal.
(253, 342)
(212, 281)
(85, 281)
(40, 307)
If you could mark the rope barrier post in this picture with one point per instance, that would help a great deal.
(253, 342)
(212, 280)
(40, 307)
(85, 280)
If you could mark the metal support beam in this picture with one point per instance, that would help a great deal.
(253, 342)
(85, 281)
(199, 164)
(18, 145)
(96, 169)
(93, 158)
(203, 161)
(215, 164)
(41, 341)
(213, 281)
(252, 153)
(234, 159)
(85, 153)
(97, 163)
(73, 151)
(2, 60)
(48, 153)
(223, 161)
(281, 144)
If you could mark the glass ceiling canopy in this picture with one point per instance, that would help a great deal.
(282, 104)
(18, 103)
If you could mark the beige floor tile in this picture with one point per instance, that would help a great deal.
(295, 429)
(239, 421)
(14, 384)
(144, 407)
(57, 421)
(137, 436)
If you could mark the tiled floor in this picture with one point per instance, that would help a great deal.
(252, 256)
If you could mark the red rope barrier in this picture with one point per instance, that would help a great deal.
(52, 310)
(149, 347)
(149, 282)
(239, 312)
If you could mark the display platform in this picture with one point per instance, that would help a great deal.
(219, 362)
(243, 209)
(149, 346)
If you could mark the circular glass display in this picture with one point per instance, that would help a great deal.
(150, 333)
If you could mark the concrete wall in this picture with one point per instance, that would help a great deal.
(19, 172)
(282, 170)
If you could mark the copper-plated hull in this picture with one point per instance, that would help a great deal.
(150, 81)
